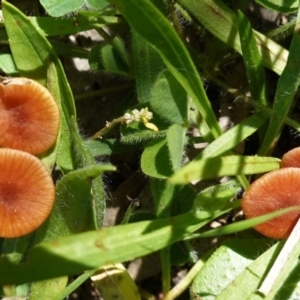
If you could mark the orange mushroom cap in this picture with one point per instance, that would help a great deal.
(27, 193)
(29, 116)
(274, 191)
(291, 159)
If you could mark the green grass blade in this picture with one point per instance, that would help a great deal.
(245, 224)
(224, 166)
(286, 89)
(58, 8)
(253, 60)
(234, 136)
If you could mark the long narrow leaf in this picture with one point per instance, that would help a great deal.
(90, 250)
(253, 60)
(234, 136)
(224, 166)
(286, 89)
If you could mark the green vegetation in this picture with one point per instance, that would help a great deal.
(158, 119)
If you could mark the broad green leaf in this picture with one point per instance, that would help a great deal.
(155, 161)
(171, 200)
(285, 6)
(213, 199)
(217, 18)
(60, 48)
(253, 60)
(26, 41)
(7, 65)
(108, 147)
(151, 24)
(147, 62)
(245, 286)
(169, 99)
(176, 142)
(65, 152)
(57, 8)
(225, 265)
(183, 200)
(83, 158)
(72, 211)
(147, 66)
(224, 166)
(49, 26)
(234, 136)
(163, 194)
(47, 289)
(287, 88)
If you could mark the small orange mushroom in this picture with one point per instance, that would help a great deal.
(27, 193)
(291, 159)
(274, 191)
(29, 116)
